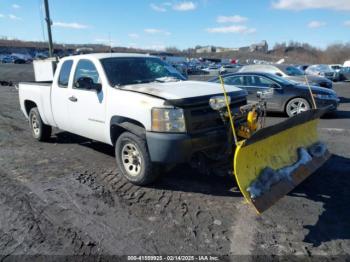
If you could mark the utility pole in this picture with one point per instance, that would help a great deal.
(49, 23)
(110, 42)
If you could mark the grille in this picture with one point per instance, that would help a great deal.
(326, 84)
(204, 118)
(329, 74)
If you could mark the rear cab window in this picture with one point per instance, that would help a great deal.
(66, 69)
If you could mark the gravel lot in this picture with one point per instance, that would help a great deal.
(65, 197)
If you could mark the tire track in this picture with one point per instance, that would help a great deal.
(187, 212)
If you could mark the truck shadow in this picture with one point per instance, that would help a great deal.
(186, 179)
(180, 178)
(69, 138)
(330, 186)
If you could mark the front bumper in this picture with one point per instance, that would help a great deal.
(180, 148)
(331, 103)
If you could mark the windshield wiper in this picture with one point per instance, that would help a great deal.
(165, 79)
(138, 81)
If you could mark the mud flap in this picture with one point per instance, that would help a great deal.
(276, 159)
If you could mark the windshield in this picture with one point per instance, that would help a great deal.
(293, 71)
(322, 68)
(137, 70)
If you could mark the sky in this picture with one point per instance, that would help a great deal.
(158, 24)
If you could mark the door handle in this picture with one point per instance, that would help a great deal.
(73, 99)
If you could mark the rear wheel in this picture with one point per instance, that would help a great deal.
(133, 159)
(297, 106)
(40, 131)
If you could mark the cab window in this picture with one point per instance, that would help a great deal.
(63, 78)
(86, 69)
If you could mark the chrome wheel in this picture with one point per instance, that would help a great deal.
(131, 159)
(297, 106)
(35, 125)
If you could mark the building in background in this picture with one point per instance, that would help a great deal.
(259, 47)
(206, 49)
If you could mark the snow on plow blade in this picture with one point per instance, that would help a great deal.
(276, 159)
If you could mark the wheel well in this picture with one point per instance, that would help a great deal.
(120, 125)
(116, 131)
(29, 105)
(285, 105)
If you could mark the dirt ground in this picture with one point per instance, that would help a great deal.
(64, 197)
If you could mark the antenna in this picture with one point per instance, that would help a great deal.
(49, 23)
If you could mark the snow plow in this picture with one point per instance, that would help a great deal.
(269, 162)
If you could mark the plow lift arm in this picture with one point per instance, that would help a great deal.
(269, 162)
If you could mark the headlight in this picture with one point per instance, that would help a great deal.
(218, 102)
(320, 96)
(170, 120)
(313, 84)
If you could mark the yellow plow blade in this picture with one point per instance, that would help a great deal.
(276, 159)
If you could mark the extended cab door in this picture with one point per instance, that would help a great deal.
(60, 94)
(87, 102)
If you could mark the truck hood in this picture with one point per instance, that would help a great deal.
(182, 89)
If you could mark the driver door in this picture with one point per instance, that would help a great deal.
(255, 83)
(86, 106)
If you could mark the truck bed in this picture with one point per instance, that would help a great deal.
(38, 93)
(34, 83)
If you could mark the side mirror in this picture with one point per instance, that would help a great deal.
(278, 74)
(88, 83)
(97, 87)
(275, 86)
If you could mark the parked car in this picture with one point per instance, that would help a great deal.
(346, 63)
(289, 72)
(322, 70)
(344, 74)
(136, 103)
(336, 67)
(212, 69)
(19, 61)
(229, 68)
(7, 60)
(287, 96)
(302, 67)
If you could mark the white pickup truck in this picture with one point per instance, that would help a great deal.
(137, 103)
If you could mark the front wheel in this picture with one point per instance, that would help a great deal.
(40, 131)
(297, 106)
(133, 159)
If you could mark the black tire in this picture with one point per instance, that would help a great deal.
(133, 160)
(40, 131)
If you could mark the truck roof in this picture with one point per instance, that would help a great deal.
(105, 55)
